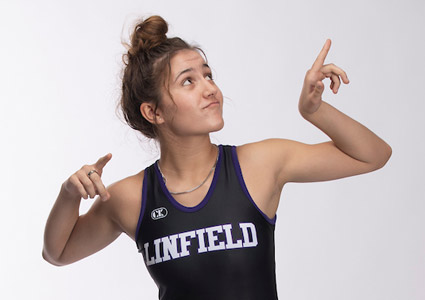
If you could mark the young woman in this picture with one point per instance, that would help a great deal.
(203, 216)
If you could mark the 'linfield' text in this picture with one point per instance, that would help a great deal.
(177, 245)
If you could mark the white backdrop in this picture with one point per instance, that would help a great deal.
(356, 238)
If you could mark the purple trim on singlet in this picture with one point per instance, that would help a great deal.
(243, 185)
(144, 200)
(207, 196)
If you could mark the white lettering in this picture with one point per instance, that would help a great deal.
(186, 243)
(170, 247)
(229, 239)
(158, 258)
(212, 238)
(246, 240)
(149, 261)
(201, 241)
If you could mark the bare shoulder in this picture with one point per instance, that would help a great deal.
(265, 147)
(260, 165)
(124, 188)
(276, 155)
(269, 153)
(125, 202)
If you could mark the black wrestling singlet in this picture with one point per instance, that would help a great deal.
(221, 249)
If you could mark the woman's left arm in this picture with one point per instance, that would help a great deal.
(267, 165)
(353, 148)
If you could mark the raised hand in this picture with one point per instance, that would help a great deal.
(311, 94)
(87, 182)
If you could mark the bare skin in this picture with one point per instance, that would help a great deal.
(187, 156)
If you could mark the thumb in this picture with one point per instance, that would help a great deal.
(101, 163)
(318, 89)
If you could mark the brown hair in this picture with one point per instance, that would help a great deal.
(145, 70)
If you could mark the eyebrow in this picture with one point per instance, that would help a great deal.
(190, 70)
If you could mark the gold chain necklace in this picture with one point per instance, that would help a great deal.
(195, 188)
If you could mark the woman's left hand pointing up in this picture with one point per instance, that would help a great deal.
(311, 94)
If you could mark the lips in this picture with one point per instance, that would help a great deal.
(212, 104)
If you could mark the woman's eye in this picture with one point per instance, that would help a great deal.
(209, 77)
(187, 81)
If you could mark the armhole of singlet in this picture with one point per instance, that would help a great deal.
(245, 189)
(143, 203)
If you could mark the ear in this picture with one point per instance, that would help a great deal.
(148, 112)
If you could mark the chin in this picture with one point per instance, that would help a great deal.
(218, 126)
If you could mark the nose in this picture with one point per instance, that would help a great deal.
(210, 89)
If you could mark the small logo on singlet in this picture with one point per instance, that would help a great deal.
(159, 213)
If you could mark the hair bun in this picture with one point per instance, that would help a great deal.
(148, 34)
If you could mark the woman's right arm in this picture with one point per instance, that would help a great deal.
(69, 237)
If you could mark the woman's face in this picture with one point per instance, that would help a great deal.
(197, 103)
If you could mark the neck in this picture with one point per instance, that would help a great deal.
(187, 158)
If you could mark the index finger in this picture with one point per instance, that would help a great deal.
(102, 161)
(320, 60)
